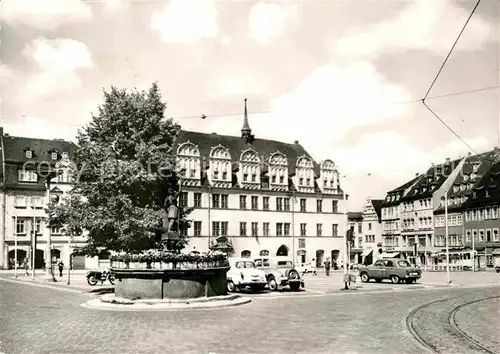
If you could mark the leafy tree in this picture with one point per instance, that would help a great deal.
(124, 167)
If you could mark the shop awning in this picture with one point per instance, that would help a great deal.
(496, 252)
(367, 252)
(389, 254)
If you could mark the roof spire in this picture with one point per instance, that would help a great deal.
(246, 132)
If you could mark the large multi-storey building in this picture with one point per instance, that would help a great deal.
(482, 214)
(391, 231)
(256, 197)
(463, 187)
(417, 208)
(372, 230)
(24, 164)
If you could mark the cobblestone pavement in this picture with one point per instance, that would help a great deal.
(433, 323)
(486, 328)
(45, 320)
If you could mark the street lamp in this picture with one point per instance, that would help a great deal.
(445, 198)
(344, 231)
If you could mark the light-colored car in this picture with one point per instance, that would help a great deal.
(280, 272)
(395, 269)
(243, 274)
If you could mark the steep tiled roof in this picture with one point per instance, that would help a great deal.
(430, 182)
(15, 147)
(486, 160)
(377, 205)
(236, 145)
(15, 155)
(488, 190)
(404, 186)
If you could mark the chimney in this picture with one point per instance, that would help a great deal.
(296, 142)
(448, 160)
(469, 154)
(214, 133)
(417, 174)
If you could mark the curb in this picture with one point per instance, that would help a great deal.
(61, 287)
(166, 305)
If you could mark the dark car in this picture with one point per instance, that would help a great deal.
(394, 269)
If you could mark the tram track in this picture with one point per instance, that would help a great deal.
(450, 328)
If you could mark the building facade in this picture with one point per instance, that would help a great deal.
(391, 219)
(463, 187)
(417, 217)
(254, 197)
(372, 227)
(25, 195)
(355, 223)
(482, 215)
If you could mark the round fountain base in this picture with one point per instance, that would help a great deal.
(111, 302)
(191, 283)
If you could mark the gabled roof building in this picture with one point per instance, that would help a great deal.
(255, 197)
(25, 166)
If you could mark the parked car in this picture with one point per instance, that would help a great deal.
(280, 272)
(395, 269)
(243, 274)
(497, 264)
(303, 269)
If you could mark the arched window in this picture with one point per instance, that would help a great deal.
(264, 253)
(246, 254)
(282, 251)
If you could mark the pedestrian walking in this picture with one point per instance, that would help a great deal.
(313, 267)
(327, 266)
(60, 265)
(26, 267)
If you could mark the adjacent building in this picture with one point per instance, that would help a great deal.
(482, 214)
(24, 161)
(417, 206)
(355, 222)
(254, 197)
(391, 221)
(468, 179)
(372, 230)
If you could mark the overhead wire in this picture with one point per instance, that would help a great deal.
(203, 116)
(439, 73)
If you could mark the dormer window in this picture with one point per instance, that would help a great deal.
(308, 181)
(53, 155)
(301, 181)
(245, 177)
(28, 154)
(254, 177)
(224, 175)
(282, 179)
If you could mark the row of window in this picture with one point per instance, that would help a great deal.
(369, 238)
(30, 176)
(486, 213)
(22, 225)
(424, 222)
(21, 201)
(53, 155)
(220, 228)
(480, 236)
(221, 201)
(423, 203)
(453, 220)
(360, 227)
(390, 212)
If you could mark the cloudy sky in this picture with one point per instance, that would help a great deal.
(330, 74)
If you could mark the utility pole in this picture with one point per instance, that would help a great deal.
(344, 230)
(15, 247)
